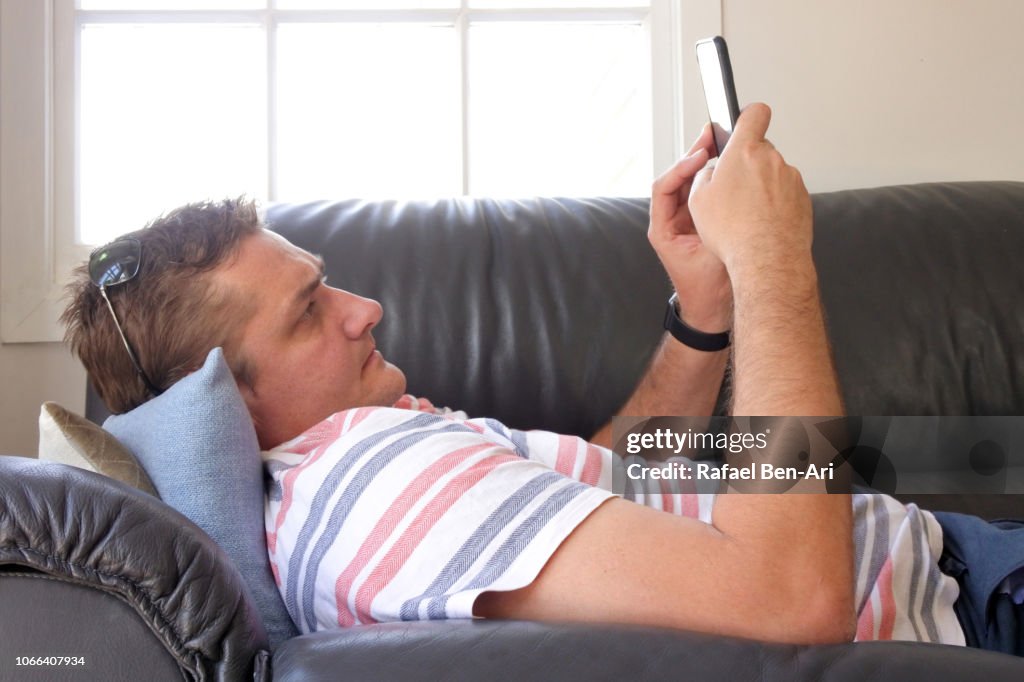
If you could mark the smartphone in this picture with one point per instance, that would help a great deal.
(719, 88)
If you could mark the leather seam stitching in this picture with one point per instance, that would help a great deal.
(143, 592)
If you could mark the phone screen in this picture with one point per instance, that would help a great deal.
(719, 91)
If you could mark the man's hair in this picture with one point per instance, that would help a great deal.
(170, 312)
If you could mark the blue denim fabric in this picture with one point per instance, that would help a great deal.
(981, 555)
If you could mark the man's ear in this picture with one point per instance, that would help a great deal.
(252, 404)
(245, 388)
(244, 382)
(242, 371)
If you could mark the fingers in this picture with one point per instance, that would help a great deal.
(684, 168)
(752, 124)
(704, 141)
(672, 180)
(668, 195)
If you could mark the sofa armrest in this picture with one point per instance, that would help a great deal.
(521, 650)
(83, 529)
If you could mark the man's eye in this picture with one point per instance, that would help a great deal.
(309, 309)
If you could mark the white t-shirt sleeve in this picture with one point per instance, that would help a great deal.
(382, 514)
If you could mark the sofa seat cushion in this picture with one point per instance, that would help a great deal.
(520, 650)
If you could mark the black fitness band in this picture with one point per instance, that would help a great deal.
(689, 336)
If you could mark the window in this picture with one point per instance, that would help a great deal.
(136, 106)
(313, 99)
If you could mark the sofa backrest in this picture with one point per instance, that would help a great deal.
(923, 285)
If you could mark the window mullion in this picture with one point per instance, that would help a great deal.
(67, 127)
(169, 16)
(462, 29)
(560, 14)
(270, 27)
(665, 78)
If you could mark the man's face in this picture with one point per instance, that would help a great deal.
(308, 347)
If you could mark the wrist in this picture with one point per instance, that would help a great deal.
(704, 317)
(777, 293)
(768, 250)
(780, 274)
(688, 335)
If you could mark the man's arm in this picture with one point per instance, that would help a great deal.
(756, 215)
(680, 380)
(773, 567)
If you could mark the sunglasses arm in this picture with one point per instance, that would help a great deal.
(127, 346)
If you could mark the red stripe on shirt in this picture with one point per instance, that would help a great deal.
(888, 603)
(334, 428)
(866, 623)
(689, 505)
(591, 473)
(469, 424)
(666, 495)
(316, 436)
(396, 557)
(389, 521)
(566, 461)
(361, 414)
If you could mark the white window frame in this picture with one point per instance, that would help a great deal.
(37, 142)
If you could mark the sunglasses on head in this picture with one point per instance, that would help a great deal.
(113, 264)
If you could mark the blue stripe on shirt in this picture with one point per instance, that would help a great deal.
(514, 545)
(478, 542)
(324, 492)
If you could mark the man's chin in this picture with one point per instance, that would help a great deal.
(396, 384)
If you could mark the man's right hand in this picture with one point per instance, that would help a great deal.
(753, 211)
(752, 208)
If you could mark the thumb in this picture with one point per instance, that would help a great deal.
(752, 125)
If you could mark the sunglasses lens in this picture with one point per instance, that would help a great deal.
(115, 263)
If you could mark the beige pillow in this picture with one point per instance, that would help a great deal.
(67, 438)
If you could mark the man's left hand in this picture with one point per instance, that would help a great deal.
(699, 277)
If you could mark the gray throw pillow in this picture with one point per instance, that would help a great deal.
(199, 446)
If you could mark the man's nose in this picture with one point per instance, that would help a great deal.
(360, 314)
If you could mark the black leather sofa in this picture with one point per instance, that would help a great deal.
(541, 313)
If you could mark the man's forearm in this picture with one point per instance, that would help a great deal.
(679, 381)
(783, 367)
(782, 361)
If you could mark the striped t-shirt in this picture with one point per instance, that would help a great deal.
(409, 512)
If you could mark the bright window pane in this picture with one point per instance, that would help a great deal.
(171, 4)
(570, 115)
(162, 125)
(368, 110)
(367, 4)
(534, 4)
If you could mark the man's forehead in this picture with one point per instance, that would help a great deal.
(287, 248)
(269, 252)
(266, 259)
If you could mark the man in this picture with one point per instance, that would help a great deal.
(735, 240)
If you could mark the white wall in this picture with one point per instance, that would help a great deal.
(865, 93)
(32, 373)
(879, 92)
